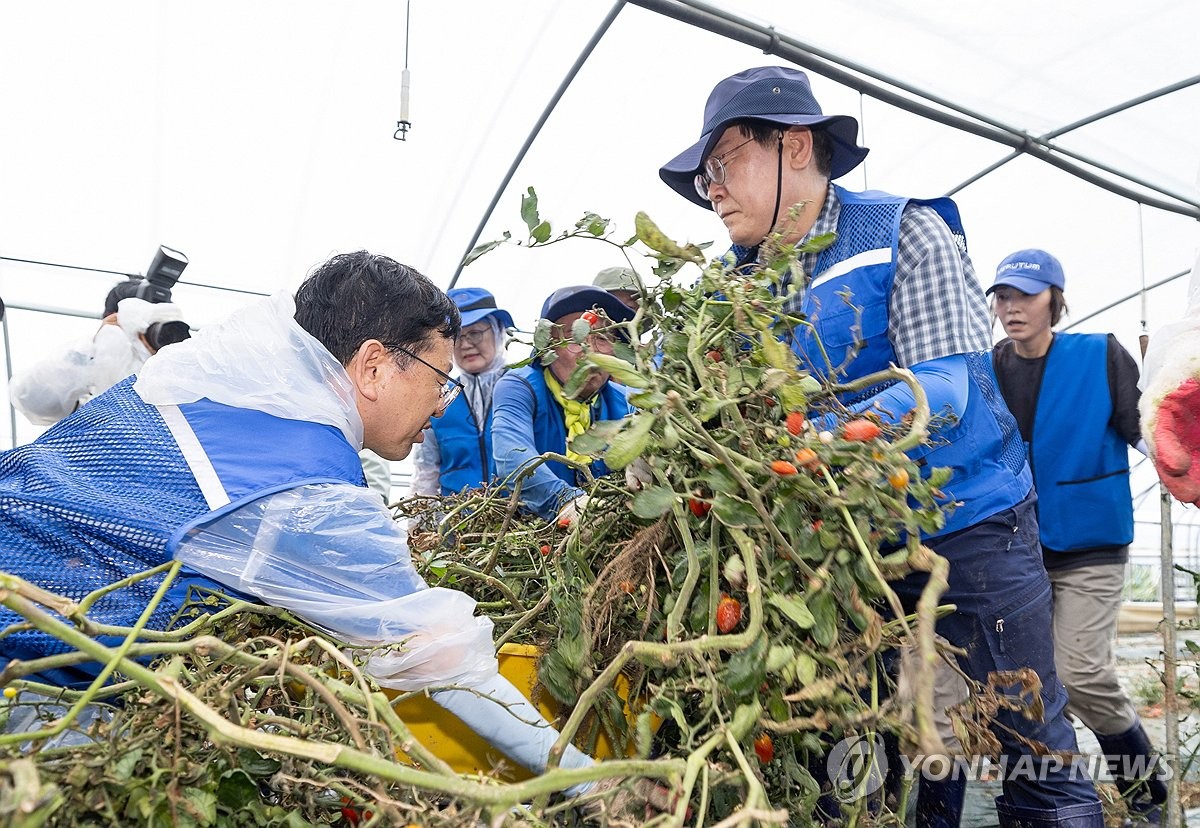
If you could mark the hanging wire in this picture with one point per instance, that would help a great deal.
(70, 267)
(128, 275)
(404, 125)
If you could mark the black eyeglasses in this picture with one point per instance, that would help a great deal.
(450, 387)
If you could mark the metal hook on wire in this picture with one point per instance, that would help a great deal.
(404, 125)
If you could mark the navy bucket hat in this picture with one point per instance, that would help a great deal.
(476, 303)
(777, 94)
(1029, 271)
(580, 298)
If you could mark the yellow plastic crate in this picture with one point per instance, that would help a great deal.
(445, 735)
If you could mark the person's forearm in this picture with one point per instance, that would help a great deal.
(542, 492)
(514, 445)
(944, 381)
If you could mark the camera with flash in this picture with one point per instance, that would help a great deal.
(165, 269)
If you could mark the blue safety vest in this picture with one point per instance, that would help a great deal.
(110, 491)
(465, 448)
(982, 447)
(550, 430)
(1080, 463)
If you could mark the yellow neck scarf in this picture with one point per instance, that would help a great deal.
(577, 415)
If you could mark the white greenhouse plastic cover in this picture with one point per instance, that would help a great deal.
(258, 138)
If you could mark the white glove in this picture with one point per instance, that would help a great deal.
(570, 513)
(638, 475)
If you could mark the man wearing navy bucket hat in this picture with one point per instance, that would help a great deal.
(764, 163)
(457, 451)
(534, 416)
(1075, 397)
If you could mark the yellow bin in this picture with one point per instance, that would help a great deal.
(445, 735)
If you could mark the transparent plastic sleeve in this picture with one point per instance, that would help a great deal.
(332, 554)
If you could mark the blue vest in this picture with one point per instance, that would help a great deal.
(109, 492)
(983, 447)
(550, 430)
(465, 448)
(1080, 463)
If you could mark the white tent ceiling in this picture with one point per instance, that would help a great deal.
(257, 137)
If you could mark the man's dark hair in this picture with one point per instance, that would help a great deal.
(766, 134)
(357, 296)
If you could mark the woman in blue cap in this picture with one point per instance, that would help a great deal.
(456, 452)
(765, 162)
(533, 416)
(1075, 398)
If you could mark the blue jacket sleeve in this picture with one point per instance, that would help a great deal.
(513, 445)
(944, 380)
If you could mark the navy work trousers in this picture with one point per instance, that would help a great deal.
(1003, 622)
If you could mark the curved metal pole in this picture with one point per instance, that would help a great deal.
(1082, 122)
(533, 133)
(835, 68)
(1126, 298)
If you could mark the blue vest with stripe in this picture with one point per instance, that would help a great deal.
(465, 448)
(1080, 463)
(108, 493)
(550, 432)
(982, 447)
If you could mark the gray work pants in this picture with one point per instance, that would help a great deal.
(1086, 602)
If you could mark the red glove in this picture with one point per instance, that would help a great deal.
(1177, 442)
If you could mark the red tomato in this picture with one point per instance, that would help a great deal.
(729, 614)
(592, 318)
(699, 507)
(764, 748)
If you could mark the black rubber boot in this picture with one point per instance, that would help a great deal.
(1134, 767)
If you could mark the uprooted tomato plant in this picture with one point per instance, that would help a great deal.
(722, 624)
(742, 590)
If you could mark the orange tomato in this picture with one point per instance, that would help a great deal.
(808, 458)
(861, 430)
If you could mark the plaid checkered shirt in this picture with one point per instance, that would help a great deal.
(937, 307)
